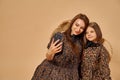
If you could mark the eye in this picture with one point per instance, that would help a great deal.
(82, 28)
(91, 31)
(77, 24)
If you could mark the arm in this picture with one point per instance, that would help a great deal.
(104, 64)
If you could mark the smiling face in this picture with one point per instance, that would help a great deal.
(91, 34)
(78, 27)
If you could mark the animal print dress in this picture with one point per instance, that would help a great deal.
(64, 65)
(95, 62)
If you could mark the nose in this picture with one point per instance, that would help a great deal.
(88, 34)
(78, 29)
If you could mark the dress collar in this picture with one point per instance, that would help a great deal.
(75, 37)
(91, 44)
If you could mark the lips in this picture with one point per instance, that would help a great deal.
(90, 37)
(77, 32)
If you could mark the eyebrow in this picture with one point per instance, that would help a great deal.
(79, 24)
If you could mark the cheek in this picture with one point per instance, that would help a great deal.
(82, 30)
(73, 28)
(86, 36)
(95, 35)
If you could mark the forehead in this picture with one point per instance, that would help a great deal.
(80, 21)
(90, 29)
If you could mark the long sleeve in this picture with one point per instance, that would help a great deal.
(104, 64)
(57, 55)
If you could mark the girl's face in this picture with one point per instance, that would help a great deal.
(78, 27)
(91, 34)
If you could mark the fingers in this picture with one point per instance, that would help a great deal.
(59, 49)
(55, 46)
(59, 44)
(52, 41)
(57, 41)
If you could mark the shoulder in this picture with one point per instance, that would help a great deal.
(104, 51)
(103, 47)
(93, 47)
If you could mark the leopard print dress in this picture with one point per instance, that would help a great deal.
(64, 65)
(95, 63)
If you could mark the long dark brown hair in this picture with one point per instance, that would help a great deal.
(68, 31)
(98, 32)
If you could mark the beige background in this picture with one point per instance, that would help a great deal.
(26, 25)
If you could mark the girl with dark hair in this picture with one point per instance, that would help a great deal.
(95, 59)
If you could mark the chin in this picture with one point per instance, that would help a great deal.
(77, 34)
(90, 40)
